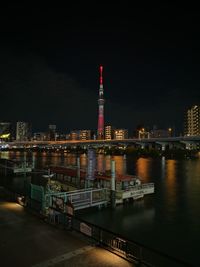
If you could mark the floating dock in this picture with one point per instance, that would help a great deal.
(123, 187)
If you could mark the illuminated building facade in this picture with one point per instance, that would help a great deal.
(192, 121)
(74, 135)
(85, 135)
(101, 101)
(120, 134)
(5, 131)
(109, 132)
(23, 131)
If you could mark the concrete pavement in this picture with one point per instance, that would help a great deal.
(25, 241)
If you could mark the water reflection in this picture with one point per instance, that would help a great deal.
(144, 169)
(100, 163)
(192, 185)
(171, 187)
(174, 208)
(73, 160)
(171, 215)
(163, 166)
(83, 161)
(44, 159)
(107, 163)
(120, 166)
(171, 172)
(140, 218)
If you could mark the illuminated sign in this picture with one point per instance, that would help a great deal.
(4, 136)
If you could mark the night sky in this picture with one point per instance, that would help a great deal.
(49, 60)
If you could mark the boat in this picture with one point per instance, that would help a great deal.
(134, 192)
(127, 187)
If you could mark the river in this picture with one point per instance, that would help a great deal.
(168, 220)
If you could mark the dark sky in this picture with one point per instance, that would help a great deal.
(49, 61)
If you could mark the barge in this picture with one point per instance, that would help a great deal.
(126, 187)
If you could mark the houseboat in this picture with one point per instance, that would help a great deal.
(127, 187)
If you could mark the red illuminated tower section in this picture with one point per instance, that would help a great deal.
(101, 101)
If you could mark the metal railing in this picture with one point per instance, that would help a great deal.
(116, 243)
(79, 198)
(128, 249)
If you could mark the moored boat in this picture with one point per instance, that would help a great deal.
(127, 187)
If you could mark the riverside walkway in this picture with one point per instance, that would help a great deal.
(25, 241)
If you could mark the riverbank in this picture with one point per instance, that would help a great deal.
(28, 241)
(167, 221)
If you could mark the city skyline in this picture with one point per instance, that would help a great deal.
(50, 60)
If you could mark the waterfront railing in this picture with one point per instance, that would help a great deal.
(124, 247)
(128, 249)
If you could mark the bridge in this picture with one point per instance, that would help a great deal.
(187, 141)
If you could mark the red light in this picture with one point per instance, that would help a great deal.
(101, 77)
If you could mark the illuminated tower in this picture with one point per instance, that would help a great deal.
(101, 101)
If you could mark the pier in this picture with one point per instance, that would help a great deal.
(119, 188)
(78, 199)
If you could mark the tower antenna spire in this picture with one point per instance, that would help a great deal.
(101, 101)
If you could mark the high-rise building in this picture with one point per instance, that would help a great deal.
(52, 132)
(120, 134)
(52, 127)
(109, 132)
(23, 131)
(101, 101)
(192, 121)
